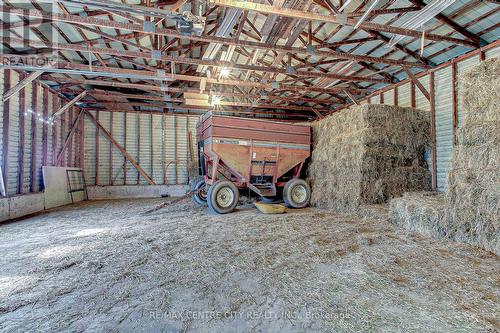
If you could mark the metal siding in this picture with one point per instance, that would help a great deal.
(27, 139)
(182, 149)
(421, 102)
(13, 175)
(145, 147)
(89, 150)
(131, 143)
(444, 125)
(493, 53)
(389, 97)
(170, 152)
(158, 152)
(39, 143)
(118, 159)
(404, 95)
(375, 99)
(104, 151)
(1, 117)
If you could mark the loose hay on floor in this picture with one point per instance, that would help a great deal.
(422, 212)
(473, 200)
(368, 155)
(91, 267)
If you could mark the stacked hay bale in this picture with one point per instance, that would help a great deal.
(422, 212)
(473, 198)
(368, 155)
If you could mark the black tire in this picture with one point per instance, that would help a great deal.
(297, 193)
(223, 197)
(199, 189)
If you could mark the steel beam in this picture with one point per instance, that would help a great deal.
(23, 83)
(69, 104)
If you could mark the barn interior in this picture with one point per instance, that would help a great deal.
(250, 166)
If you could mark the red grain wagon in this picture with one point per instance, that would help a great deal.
(264, 156)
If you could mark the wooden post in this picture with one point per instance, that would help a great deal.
(97, 150)
(34, 98)
(110, 181)
(433, 132)
(45, 129)
(396, 97)
(454, 101)
(413, 102)
(22, 119)
(5, 136)
(138, 144)
(69, 151)
(381, 98)
(55, 102)
(125, 147)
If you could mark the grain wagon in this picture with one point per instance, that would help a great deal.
(264, 156)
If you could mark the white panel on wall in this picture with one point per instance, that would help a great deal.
(404, 98)
(104, 149)
(158, 148)
(1, 118)
(421, 102)
(145, 146)
(375, 99)
(389, 97)
(182, 149)
(131, 143)
(89, 150)
(444, 125)
(493, 53)
(170, 151)
(118, 162)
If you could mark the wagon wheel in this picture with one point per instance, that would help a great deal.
(297, 193)
(200, 189)
(223, 197)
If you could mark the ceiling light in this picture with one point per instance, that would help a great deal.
(224, 72)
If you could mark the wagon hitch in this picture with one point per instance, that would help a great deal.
(169, 203)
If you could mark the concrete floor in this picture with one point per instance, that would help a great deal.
(106, 266)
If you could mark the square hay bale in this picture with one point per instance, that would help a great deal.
(422, 212)
(472, 214)
(368, 155)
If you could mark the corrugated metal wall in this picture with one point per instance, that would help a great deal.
(26, 142)
(157, 142)
(443, 107)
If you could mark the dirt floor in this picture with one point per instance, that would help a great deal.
(105, 266)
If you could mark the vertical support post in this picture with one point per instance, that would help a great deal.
(433, 132)
(97, 150)
(6, 123)
(82, 142)
(55, 103)
(125, 147)
(413, 102)
(111, 150)
(163, 147)
(22, 118)
(69, 151)
(396, 97)
(45, 130)
(454, 101)
(176, 157)
(381, 98)
(151, 145)
(34, 98)
(138, 145)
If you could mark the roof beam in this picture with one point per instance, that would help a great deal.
(23, 83)
(221, 40)
(69, 104)
(419, 84)
(267, 9)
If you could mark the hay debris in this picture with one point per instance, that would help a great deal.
(422, 212)
(368, 155)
